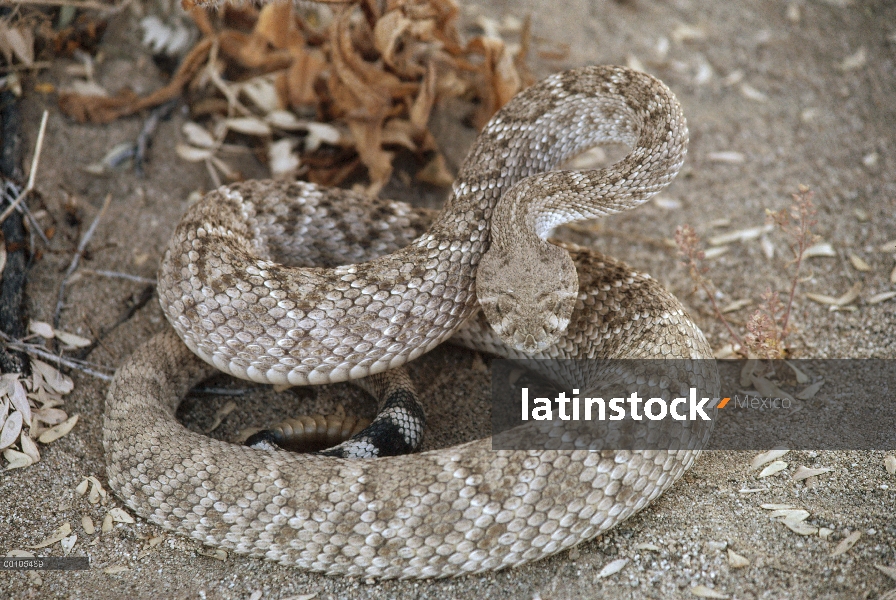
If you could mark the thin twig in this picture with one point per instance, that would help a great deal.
(119, 275)
(39, 352)
(145, 295)
(163, 111)
(60, 300)
(219, 391)
(9, 189)
(34, 162)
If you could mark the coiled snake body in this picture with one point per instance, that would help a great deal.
(251, 283)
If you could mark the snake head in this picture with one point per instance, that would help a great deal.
(527, 294)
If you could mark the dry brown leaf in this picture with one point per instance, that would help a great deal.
(298, 80)
(387, 32)
(399, 132)
(277, 25)
(436, 172)
(502, 81)
(126, 102)
(368, 137)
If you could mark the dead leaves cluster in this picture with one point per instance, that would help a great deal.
(370, 72)
(29, 410)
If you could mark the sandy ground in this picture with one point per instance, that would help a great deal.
(764, 79)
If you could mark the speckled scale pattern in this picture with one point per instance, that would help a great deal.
(228, 288)
(464, 509)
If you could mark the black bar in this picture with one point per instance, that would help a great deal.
(44, 563)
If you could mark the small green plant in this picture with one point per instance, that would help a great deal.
(770, 324)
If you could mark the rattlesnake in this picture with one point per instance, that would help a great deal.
(440, 513)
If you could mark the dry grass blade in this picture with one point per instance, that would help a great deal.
(82, 246)
(822, 249)
(847, 298)
(32, 174)
(810, 391)
(612, 568)
(882, 297)
(767, 457)
(772, 469)
(888, 571)
(805, 472)
(858, 263)
(847, 543)
(701, 591)
(736, 561)
(220, 415)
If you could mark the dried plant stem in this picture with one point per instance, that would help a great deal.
(718, 311)
(39, 352)
(38, 147)
(9, 189)
(60, 300)
(119, 275)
